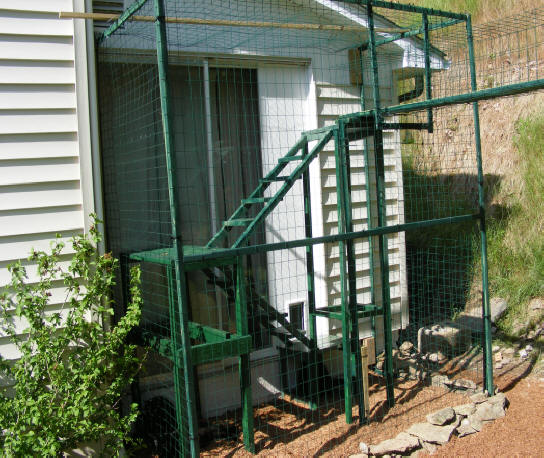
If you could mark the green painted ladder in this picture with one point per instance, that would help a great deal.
(239, 217)
(349, 312)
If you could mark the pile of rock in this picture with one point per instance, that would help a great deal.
(461, 420)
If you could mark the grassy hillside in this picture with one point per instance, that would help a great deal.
(481, 10)
(516, 237)
(513, 155)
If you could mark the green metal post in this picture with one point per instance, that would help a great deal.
(287, 245)
(178, 368)
(383, 244)
(310, 273)
(369, 210)
(486, 313)
(352, 279)
(428, 87)
(181, 286)
(244, 366)
(346, 341)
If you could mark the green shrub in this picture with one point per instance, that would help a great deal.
(66, 387)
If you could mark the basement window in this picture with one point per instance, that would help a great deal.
(296, 315)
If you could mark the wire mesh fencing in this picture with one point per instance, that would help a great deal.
(301, 183)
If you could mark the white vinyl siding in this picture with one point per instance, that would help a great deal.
(41, 141)
(334, 100)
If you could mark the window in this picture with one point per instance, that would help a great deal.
(296, 315)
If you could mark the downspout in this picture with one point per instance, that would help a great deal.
(211, 175)
(94, 125)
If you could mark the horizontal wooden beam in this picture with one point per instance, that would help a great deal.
(229, 23)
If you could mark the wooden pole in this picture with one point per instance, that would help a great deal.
(224, 22)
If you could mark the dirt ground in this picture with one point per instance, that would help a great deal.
(282, 431)
(519, 433)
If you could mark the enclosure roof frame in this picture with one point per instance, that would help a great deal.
(125, 16)
(410, 9)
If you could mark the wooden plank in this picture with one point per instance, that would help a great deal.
(366, 391)
(209, 334)
(217, 351)
(244, 363)
(228, 23)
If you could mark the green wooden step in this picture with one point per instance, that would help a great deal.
(238, 222)
(363, 311)
(274, 179)
(256, 200)
(290, 158)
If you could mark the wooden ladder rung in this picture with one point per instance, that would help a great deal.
(274, 179)
(290, 158)
(256, 200)
(238, 222)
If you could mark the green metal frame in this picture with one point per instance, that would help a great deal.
(486, 312)
(382, 239)
(180, 315)
(214, 344)
(125, 16)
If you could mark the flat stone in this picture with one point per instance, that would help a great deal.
(489, 412)
(495, 348)
(439, 380)
(465, 409)
(497, 306)
(465, 428)
(536, 304)
(498, 399)
(441, 417)
(523, 353)
(428, 447)
(449, 337)
(406, 347)
(363, 447)
(432, 433)
(461, 384)
(508, 351)
(475, 422)
(478, 398)
(403, 443)
(359, 455)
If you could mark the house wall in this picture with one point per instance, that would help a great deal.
(334, 98)
(46, 183)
